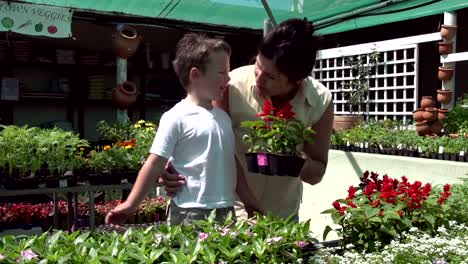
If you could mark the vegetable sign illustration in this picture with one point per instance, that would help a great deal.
(38, 27)
(52, 29)
(8, 22)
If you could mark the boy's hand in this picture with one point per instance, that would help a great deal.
(172, 181)
(119, 214)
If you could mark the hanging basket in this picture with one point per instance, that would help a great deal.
(126, 41)
(124, 95)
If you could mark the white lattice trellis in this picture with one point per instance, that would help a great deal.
(392, 86)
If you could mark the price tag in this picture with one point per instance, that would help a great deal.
(361, 145)
(380, 146)
(63, 183)
(462, 153)
(262, 159)
(366, 145)
(419, 149)
(400, 146)
(347, 143)
(441, 149)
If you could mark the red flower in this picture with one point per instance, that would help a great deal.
(286, 111)
(342, 210)
(447, 187)
(267, 109)
(352, 204)
(401, 213)
(381, 213)
(375, 203)
(369, 189)
(351, 192)
(336, 205)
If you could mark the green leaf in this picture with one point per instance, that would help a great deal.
(429, 218)
(371, 211)
(375, 219)
(391, 215)
(337, 218)
(329, 211)
(326, 231)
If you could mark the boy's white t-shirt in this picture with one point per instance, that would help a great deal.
(200, 145)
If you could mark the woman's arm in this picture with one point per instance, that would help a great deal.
(317, 152)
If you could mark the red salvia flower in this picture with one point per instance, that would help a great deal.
(286, 112)
(351, 192)
(336, 205)
(267, 109)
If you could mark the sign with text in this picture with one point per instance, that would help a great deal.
(35, 20)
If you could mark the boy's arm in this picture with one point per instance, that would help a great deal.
(245, 193)
(146, 179)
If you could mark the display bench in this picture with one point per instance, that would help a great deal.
(72, 199)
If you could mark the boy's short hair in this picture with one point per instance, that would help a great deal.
(292, 47)
(193, 50)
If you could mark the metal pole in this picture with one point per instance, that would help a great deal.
(122, 115)
(450, 18)
(270, 14)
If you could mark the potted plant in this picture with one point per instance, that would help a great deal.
(356, 90)
(456, 121)
(379, 210)
(274, 140)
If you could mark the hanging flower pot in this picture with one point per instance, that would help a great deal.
(418, 115)
(430, 114)
(445, 47)
(442, 114)
(445, 74)
(124, 95)
(448, 31)
(427, 101)
(422, 128)
(436, 127)
(125, 41)
(444, 96)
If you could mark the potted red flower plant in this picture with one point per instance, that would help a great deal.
(274, 139)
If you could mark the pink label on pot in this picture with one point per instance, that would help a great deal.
(262, 159)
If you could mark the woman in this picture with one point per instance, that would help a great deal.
(286, 57)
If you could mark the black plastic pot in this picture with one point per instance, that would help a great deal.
(252, 163)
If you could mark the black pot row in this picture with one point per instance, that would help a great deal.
(274, 165)
(402, 152)
(15, 182)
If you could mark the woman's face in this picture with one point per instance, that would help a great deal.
(270, 81)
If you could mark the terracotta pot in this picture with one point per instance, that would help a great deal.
(436, 127)
(430, 114)
(454, 135)
(448, 31)
(124, 95)
(444, 96)
(422, 128)
(345, 122)
(125, 41)
(442, 114)
(418, 115)
(445, 47)
(427, 101)
(445, 74)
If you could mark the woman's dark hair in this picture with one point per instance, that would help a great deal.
(292, 46)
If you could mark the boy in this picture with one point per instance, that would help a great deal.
(197, 139)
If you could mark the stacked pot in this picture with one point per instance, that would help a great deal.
(447, 32)
(428, 117)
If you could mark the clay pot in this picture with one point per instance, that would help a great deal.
(427, 101)
(430, 114)
(442, 114)
(445, 47)
(422, 128)
(345, 122)
(454, 135)
(436, 127)
(418, 115)
(125, 41)
(448, 31)
(445, 74)
(124, 95)
(444, 96)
